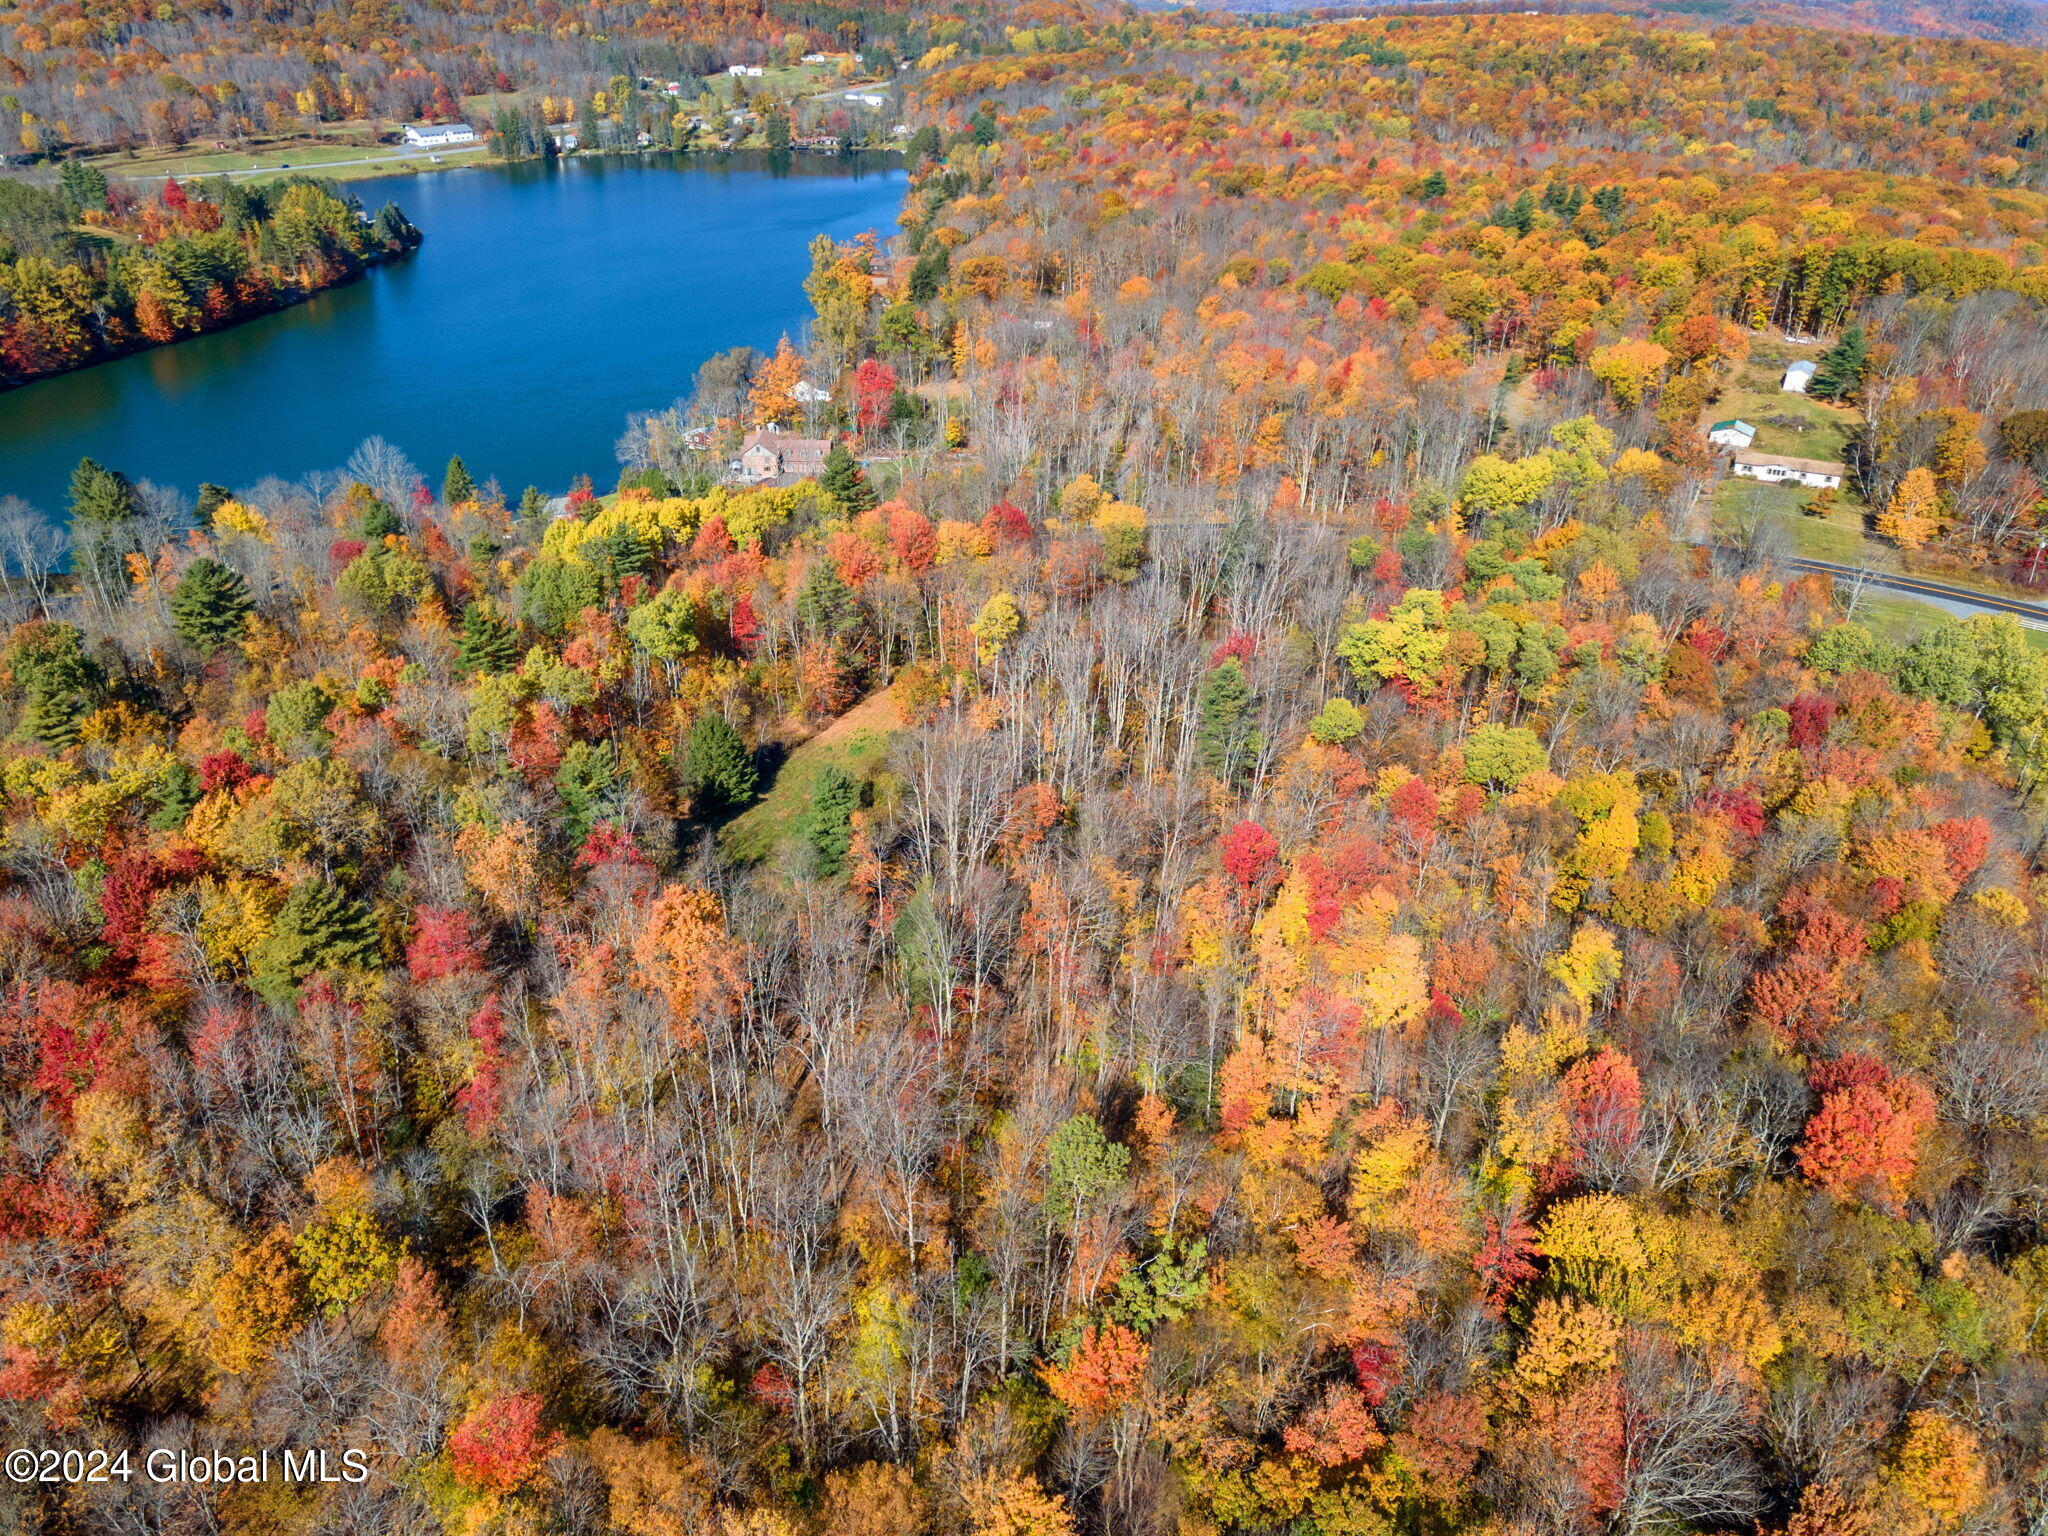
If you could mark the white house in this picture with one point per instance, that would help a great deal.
(1799, 375)
(751, 71)
(866, 98)
(804, 392)
(1775, 469)
(1733, 433)
(438, 135)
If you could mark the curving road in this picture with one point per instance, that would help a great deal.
(2032, 615)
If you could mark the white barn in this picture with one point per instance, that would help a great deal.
(1733, 433)
(438, 135)
(1799, 376)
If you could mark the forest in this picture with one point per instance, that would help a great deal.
(90, 74)
(1236, 922)
(89, 271)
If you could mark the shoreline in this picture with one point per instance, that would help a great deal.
(381, 258)
(398, 165)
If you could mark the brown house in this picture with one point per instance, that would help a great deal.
(772, 454)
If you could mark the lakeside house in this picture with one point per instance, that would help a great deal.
(772, 454)
(1733, 433)
(438, 135)
(1799, 376)
(1777, 469)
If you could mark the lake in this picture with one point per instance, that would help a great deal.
(547, 302)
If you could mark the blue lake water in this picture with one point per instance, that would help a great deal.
(546, 303)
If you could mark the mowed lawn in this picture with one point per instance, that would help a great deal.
(1795, 426)
(857, 743)
(1839, 536)
(327, 156)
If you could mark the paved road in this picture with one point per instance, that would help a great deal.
(2033, 615)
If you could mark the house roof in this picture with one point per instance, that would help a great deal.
(1803, 365)
(789, 450)
(1733, 421)
(1807, 466)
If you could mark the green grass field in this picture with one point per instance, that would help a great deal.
(1839, 537)
(1796, 426)
(1897, 618)
(779, 80)
(332, 158)
(857, 742)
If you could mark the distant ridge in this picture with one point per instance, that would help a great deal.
(2007, 21)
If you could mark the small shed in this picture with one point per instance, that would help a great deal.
(1733, 433)
(1799, 376)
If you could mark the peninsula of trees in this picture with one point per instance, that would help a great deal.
(90, 271)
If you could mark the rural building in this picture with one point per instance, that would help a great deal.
(1775, 469)
(1733, 433)
(804, 392)
(772, 454)
(438, 135)
(1798, 376)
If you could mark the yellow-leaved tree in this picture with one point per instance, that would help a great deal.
(1908, 518)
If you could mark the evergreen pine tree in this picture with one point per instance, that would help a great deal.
(531, 502)
(1226, 738)
(392, 227)
(211, 499)
(488, 643)
(825, 828)
(1841, 366)
(456, 485)
(379, 520)
(210, 606)
(617, 555)
(929, 274)
(103, 506)
(60, 683)
(101, 496)
(825, 605)
(846, 483)
(923, 146)
(589, 784)
(716, 764)
(84, 186)
(320, 927)
(173, 798)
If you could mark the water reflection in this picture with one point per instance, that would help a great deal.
(547, 302)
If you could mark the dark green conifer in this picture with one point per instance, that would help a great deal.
(846, 483)
(320, 927)
(1226, 738)
(456, 485)
(1842, 366)
(58, 681)
(716, 764)
(825, 605)
(488, 643)
(211, 606)
(825, 829)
